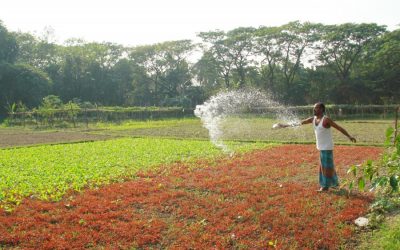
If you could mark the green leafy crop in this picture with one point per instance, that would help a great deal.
(48, 172)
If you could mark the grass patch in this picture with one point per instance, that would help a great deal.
(134, 124)
(386, 237)
(247, 129)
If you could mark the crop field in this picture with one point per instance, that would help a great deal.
(251, 129)
(367, 132)
(49, 171)
(163, 185)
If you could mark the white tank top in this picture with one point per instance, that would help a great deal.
(323, 135)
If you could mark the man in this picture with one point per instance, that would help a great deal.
(322, 128)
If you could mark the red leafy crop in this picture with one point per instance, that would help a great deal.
(262, 199)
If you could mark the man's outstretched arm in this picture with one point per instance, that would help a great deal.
(305, 121)
(342, 130)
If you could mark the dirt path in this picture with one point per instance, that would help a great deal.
(13, 139)
(259, 200)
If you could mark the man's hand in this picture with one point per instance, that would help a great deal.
(279, 125)
(352, 139)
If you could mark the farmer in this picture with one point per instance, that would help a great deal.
(322, 128)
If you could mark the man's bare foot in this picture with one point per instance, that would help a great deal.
(323, 189)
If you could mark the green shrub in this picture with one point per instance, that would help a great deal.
(383, 175)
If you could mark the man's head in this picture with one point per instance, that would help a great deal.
(319, 108)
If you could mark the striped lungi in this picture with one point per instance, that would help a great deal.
(327, 173)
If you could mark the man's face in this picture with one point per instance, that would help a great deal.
(317, 109)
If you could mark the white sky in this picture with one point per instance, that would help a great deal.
(138, 22)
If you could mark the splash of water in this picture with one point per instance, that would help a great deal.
(214, 111)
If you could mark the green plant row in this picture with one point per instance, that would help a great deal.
(384, 174)
(75, 114)
(48, 172)
(382, 177)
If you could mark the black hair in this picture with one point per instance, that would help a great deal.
(322, 105)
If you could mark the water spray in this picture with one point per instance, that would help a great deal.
(214, 111)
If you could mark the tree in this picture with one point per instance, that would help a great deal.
(240, 44)
(72, 73)
(100, 58)
(121, 76)
(294, 39)
(380, 71)
(206, 74)
(178, 75)
(342, 45)
(39, 53)
(322, 83)
(267, 49)
(219, 48)
(51, 102)
(165, 66)
(86, 72)
(8, 45)
(150, 58)
(142, 92)
(22, 83)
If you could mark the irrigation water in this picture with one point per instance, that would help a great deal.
(225, 104)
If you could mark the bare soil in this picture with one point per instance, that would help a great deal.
(16, 139)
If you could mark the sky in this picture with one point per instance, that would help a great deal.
(144, 22)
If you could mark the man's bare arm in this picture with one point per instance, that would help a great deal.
(342, 130)
(305, 121)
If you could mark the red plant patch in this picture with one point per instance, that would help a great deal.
(258, 200)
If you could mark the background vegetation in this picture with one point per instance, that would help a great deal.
(299, 63)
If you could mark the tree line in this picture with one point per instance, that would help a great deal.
(298, 63)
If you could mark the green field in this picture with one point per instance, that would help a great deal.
(367, 132)
(371, 132)
(47, 172)
(117, 151)
(47, 164)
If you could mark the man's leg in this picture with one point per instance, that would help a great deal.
(327, 173)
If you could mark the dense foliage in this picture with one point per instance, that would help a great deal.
(298, 62)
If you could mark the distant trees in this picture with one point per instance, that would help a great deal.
(269, 54)
(19, 83)
(380, 72)
(162, 73)
(342, 46)
(8, 45)
(216, 54)
(297, 62)
(300, 62)
(22, 83)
